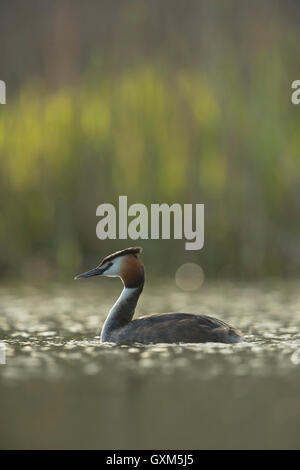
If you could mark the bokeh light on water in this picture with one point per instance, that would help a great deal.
(73, 392)
(189, 277)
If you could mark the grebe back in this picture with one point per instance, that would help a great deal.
(157, 328)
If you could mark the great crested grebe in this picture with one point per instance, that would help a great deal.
(157, 328)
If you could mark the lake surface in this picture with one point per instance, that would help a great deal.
(61, 388)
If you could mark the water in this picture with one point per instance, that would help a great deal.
(60, 388)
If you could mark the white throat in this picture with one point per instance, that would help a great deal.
(121, 313)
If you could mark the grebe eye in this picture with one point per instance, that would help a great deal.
(107, 266)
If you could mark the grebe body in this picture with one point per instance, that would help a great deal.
(157, 328)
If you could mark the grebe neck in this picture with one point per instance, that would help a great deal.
(122, 311)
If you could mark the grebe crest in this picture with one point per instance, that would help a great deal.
(124, 264)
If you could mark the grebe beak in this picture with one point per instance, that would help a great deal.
(93, 272)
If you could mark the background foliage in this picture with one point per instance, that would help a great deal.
(169, 101)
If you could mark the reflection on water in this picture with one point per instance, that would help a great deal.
(60, 388)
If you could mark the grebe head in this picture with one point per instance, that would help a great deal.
(124, 264)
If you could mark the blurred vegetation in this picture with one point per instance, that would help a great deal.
(221, 132)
